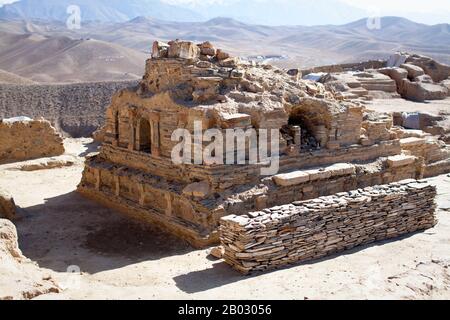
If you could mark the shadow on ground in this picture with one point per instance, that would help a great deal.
(221, 274)
(90, 148)
(71, 230)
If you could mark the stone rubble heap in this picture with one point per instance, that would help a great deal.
(362, 86)
(213, 73)
(316, 228)
(413, 77)
(418, 78)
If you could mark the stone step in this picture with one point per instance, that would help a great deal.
(360, 92)
(302, 176)
(412, 142)
(400, 161)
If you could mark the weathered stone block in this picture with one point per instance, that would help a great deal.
(235, 120)
(400, 161)
(160, 50)
(292, 178)
(198, 189)
(319, 174)
(342, 169)
(221, 55)
(183, 50)
(412, 142)
(207, 49)
(413, 71)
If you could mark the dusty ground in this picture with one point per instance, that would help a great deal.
(118, 259)
(434, 107)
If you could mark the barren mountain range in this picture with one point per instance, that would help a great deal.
(268, 12)
(63, 59)
(46, 51)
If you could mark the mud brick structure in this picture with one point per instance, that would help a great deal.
(328, 144)
(313, 229)
(24, 139)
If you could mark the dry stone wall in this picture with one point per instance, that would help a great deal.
(76, 109)
(316, 228)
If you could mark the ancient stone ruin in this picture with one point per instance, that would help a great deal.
(329, 143)
(410, 76)
(22, 139)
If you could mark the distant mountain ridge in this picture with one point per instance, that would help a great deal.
(282, 12)
(273, 12)
(56, 59)
(303, 45)
(96, 10)
(49, 52)
(262, 12)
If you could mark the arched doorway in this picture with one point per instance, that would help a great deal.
(145, 143)
(314, 119)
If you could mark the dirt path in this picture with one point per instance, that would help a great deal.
(119, 259)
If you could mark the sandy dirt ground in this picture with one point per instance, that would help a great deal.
(114, 258)
(435, 107)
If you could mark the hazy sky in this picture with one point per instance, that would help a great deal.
(429, 11)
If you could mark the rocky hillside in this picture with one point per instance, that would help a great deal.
(285, 46)
(98, 10)
(8, 77)
(43, 58)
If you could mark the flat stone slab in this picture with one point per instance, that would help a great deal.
(236, 120)
(302, 176)
(400, 161)
(342, 169)
(42, 163)
(292, 178)
(412, 142)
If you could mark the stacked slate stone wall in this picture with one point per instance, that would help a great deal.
(313, 229)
